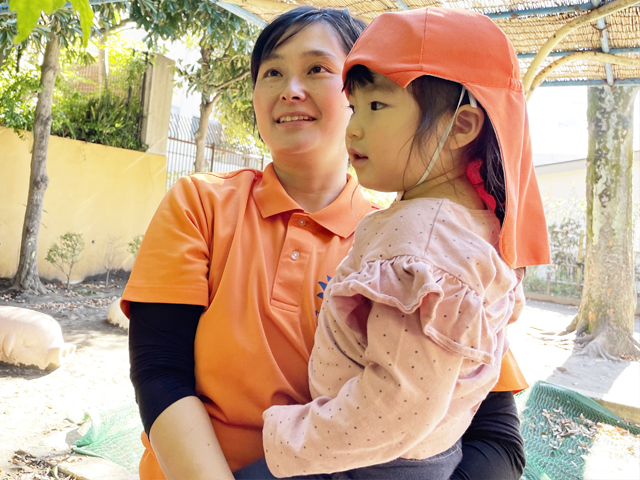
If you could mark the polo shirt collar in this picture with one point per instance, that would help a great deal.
(340, 217)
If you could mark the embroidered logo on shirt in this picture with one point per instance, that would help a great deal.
(323, 286)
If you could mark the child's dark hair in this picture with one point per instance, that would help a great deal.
(287, 25)
(435, 97)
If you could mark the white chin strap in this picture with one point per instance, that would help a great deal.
(436, 153)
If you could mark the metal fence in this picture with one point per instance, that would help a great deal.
(220, 155)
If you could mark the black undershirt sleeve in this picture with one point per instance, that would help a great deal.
(161, 340)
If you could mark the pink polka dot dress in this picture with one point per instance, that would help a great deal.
(410, 338)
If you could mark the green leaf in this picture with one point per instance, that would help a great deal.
(28, 13)
(56, 4)
(86, 18)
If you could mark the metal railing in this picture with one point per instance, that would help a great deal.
(220, 156)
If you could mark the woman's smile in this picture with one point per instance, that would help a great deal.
(298, 99)
(294, 119)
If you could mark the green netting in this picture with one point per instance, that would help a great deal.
(114, 435)
(558, 426)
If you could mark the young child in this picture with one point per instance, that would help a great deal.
(412, 328)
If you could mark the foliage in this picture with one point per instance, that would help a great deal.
(134, 245)
(237, 116)
(28, 12)
(106, 118)
(113, 115)
(565, 239)
(225, 42)
(536, 281)
(18, 94)
(67, 254)
(566, 225)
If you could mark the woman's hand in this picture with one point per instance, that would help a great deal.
(185, 444)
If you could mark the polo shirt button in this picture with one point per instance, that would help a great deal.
(302, 222)
(295, 255)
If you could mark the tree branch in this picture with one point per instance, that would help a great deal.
(232, 80)
(116, 27)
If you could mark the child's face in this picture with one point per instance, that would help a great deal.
(379, 135)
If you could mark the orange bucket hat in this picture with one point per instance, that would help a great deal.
(468, 48)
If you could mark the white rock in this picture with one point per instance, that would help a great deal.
(28, 337)
(116, 317)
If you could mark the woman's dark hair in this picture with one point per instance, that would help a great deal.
(435, 97)
(287, 25)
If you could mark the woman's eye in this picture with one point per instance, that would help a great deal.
(316, 69)
(271, 73)
(377, 105)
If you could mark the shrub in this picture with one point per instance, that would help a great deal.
(134, 245)
(67, 254)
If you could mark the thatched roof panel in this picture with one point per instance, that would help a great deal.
(528, 33)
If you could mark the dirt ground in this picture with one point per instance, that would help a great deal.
(35, 404)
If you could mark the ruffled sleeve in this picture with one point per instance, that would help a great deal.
(451, 313)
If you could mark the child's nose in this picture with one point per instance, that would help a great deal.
(354, 128)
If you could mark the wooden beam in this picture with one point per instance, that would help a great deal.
(597, 56)
(608, 9)
(564, 53)
(589, 83)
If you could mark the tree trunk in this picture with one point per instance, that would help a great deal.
(201, 134)
(26, 277)
(609, 296)
(102, 64)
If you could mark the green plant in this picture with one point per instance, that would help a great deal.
(19, 89)
(134, 245)
(106, 119)
(67, 254)
(109, 117)
(29, 11)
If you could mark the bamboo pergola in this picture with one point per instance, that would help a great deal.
(558, 42)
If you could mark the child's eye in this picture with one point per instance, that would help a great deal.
(377, 105)
(352, 108)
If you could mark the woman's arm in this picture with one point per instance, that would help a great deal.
(161, 344)
(185, 444)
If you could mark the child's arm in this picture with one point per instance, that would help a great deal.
(400, 397)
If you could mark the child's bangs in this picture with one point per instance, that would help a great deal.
(358, 77)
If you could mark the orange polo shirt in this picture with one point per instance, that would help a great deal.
(238, 245)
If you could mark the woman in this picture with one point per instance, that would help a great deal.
(239, 262)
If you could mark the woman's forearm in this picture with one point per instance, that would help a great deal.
(185, 443)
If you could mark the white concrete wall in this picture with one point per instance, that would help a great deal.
(568, 179)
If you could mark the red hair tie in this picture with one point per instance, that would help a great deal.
(473, 174)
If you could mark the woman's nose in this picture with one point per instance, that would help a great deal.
(294, 90)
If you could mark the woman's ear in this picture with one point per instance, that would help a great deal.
(466, 127)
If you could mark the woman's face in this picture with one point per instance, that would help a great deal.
(298, 99)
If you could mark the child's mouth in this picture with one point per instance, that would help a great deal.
(354, 156)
